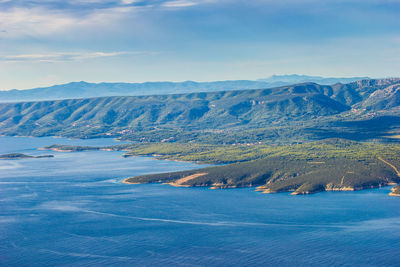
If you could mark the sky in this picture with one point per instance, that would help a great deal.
(46, 42)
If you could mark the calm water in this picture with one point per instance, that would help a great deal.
(72, 210)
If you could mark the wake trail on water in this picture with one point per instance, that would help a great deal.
(220, 223)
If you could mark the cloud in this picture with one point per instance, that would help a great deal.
(34, 19)
(66, 56)
(79, 5)
(20, 21)
(129, 2)
(180, 3)
(40, 21)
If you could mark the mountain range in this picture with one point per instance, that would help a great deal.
(295, 107)
(86, 90)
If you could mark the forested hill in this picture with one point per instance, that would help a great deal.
(87, 90)
(244, 109)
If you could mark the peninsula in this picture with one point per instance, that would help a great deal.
(325, 165)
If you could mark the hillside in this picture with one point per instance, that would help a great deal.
(87, 90)
(296, 112)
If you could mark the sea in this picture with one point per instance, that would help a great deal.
(73, 210)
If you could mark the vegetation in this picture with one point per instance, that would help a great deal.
(193, 152)
(214, 154)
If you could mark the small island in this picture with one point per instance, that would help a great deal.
(23, 156)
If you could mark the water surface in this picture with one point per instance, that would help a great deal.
(73, 210)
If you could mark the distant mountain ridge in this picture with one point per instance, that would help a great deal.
(86, 90)
(295, 78)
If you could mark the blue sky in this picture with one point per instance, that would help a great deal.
(44, 42)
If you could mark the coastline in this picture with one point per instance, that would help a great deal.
(177, 183)
(336, 189)
(264, 191)
(125, 181)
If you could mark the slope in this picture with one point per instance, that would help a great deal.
(87, 90)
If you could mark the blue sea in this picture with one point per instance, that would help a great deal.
(73, 210)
